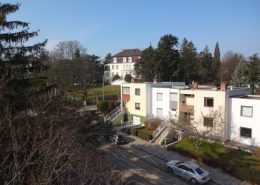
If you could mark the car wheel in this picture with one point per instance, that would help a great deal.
(194, 181)
(169, 169)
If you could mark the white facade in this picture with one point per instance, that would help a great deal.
(245, 120)
(163, 99)
(120, 69)
(122, 64)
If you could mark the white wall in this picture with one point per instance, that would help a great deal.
(165, 103)
(237, 121)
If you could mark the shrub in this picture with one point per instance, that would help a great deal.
(116, 77)
(128, 78)
(103, 106)
(134, 131)
(145, 134)
(126, 130)
(152, 124)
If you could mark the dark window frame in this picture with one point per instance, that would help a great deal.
(137, 91)
(245, 132)
(137, 106)
(207, 103)
(208, 122)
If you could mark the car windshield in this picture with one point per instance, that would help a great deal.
(179, 162)
(199, 171)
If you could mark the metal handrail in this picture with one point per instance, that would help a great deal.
(110, 116)
(159, 129)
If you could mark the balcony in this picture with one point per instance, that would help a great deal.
(186, 108)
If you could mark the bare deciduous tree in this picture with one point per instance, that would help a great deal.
(68, 50)
(209, 126)
(55, 145)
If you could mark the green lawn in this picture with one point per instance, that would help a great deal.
(238, 163)
(108, 90)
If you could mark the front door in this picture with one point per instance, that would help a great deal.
(136, 120)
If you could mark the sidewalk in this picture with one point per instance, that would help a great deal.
(217, 176)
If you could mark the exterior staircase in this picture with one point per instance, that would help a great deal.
(113, 114)
(158, 131)
(159, 140)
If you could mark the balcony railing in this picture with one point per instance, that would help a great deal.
(186, 108)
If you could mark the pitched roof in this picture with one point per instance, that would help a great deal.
(128, 53)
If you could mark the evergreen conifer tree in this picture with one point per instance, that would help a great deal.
(216, 61)
(16, 58)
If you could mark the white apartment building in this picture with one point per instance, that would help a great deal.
(245, 120)
(121, 64)
(205, 107)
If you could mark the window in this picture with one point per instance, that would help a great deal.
(129, 59)
(246, 111)
(208, 102)
(159, 112)
(126, 90)
(173, 97)
(137, 106)
(137, 91)
(159, 96)
(245, 132)
(112, 74)
(114, 60)
(124, 59)
(208, 122)
(112, 66)
(116, 66)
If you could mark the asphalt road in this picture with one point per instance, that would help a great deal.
(137, 170)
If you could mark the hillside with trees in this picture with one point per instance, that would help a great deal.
(45, 139)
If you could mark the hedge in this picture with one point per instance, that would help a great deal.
(140, 132)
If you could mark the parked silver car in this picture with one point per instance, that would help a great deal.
(189, 171)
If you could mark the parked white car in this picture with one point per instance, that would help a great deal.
(189, 171)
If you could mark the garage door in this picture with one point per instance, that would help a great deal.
(136, 120)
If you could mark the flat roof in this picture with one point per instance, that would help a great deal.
(254, 97)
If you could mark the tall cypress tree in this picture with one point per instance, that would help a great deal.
(216, 61)
(16, 58)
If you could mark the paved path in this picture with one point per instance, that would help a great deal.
(218, 177)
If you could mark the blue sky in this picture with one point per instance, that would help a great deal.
(104, 26)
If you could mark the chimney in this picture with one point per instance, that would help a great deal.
(194, 85)
(155, 81)
(132, 80)
(223, 86)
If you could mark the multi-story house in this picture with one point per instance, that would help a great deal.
(206, 108)
(138, 98)
(165, 101)
(245, 120)
(122, 63)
